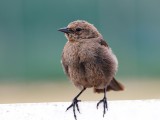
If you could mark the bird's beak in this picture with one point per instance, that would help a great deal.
(65, 30)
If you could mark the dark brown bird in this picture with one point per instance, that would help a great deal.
(89, 62)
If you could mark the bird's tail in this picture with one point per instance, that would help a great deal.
(114, 85)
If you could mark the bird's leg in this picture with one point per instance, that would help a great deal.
(75, 104)
(104, 101)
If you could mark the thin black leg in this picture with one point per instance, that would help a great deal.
(75, 104)
(104, 101)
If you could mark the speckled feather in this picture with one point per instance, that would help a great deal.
(87, 59)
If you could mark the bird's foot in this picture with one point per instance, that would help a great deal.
(75, 106)
(105, 105)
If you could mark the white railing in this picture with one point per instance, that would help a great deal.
(118, 110)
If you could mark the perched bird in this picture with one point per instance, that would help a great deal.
(89, 62)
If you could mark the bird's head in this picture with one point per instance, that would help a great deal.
(79, 30)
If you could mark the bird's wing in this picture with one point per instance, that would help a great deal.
(106, 65)
(65, 66)
(102, 42)
(104, 58)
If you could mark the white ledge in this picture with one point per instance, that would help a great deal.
(118, 110)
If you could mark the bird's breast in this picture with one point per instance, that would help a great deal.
(70, 54)
(89, 64)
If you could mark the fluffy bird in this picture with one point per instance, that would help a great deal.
(88, 61)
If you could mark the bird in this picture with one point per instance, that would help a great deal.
(89, 62)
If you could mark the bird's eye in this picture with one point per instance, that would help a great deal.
(78, 29)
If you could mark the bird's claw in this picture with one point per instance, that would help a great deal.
(105, 105)
(74, 105)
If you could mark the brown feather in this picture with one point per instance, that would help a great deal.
(114, 85)
(87, 59)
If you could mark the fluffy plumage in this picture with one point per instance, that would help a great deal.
(89, 62)
(87, 59)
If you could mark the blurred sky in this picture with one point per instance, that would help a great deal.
(31, 46)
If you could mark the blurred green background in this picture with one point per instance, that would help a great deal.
(31, 46)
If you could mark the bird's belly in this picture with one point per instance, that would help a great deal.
(90, 77)
(78, 77)
(92, 72)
